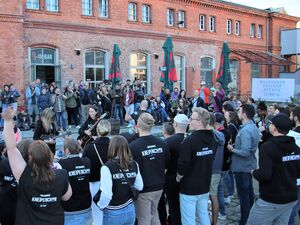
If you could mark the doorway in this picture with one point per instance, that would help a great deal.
(45, 73)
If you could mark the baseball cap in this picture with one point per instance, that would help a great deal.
(181, 118)
(282, 122)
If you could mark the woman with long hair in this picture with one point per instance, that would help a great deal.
(116, 196)
(97, 151)
(87, 132)
(41, 188)
(45, 129)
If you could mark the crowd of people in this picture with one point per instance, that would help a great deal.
(207, 154)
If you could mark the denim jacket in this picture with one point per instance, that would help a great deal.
(246, 144)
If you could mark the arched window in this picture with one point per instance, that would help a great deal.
(180, 71)
(140, 69)
(95, 69)
(206, 70)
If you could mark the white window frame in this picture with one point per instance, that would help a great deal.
(252, 30)
(229, 26)
(103, 8)
(147, 68)
(105, 66)
(132, 11)
(170, 17)
(213, 65)
(237, 27)
(212, 24)
(181, 17)
(259, 31)
(146, 13)
(33, 4)
(87, 11)
(182, 85)
(51, 5)
(202, 20)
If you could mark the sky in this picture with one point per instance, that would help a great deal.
(291, 6)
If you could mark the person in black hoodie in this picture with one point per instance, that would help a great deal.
(172, 186)
(78, 208)
(195, 169)
(152, 155)
(279, 167)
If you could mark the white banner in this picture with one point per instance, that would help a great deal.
(273, 89)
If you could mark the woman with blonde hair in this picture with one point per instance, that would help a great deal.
(97, 151)
(45, 129)
(118, 176)
(40, 187)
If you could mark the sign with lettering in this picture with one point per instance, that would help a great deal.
(42, 56)
(273, 89)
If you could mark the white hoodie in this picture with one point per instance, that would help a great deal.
(296, 136)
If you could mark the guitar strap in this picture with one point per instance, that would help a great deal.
(99, 157)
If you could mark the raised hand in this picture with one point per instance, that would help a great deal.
(8, 114)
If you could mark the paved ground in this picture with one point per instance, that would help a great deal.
(232, 209)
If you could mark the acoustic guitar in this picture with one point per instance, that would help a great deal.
(86, 138)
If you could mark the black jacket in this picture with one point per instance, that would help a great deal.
(279, 167)
(102, 144)
(195, 162)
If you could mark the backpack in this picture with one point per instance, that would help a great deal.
(85, 98)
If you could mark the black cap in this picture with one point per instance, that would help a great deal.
(282, 122)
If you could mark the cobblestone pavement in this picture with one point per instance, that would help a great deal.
(232, 209)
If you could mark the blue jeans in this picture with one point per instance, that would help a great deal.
(118, 112)
(192, 205)
(296, 210)
(125, 216)
(221, 194)
(245, 192)
(61, 118)
(4, 107)
(79, 219)
(137, 106)
(229, 183)
(163, 114)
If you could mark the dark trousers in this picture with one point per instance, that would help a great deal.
(72, 115)
(161, 208)
(172, 192)
(244, 187)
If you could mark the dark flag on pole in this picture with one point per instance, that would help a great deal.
(114, 73)
(168, 70)
(224, 76)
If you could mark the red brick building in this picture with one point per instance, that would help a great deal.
(60, 40)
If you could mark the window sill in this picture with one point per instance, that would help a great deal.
(132, 22)
(171, 27)
(104, 18)
(147, 24)
(202, 31)
(34, 11)
(183, 28)
(213, 32)
(53, 13)
(88, 17)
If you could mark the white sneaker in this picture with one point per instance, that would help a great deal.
(70, 126)
(222, 217)
(78, 127)
(227, 200)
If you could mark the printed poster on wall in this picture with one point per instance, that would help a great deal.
(273, 89)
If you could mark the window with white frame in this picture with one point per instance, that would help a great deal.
(132, 11)
(170, 17)
(146, 14)
(180, 71)
(52, 5)
(202, 22)
(206, 70)
(252, 30)
(33, 4)
(212, 27)
(103, 8)
(229, 26)
(139, 68)
(94, 66)
(237, 27)
(259, 31)
(181, 19)
(87, 7)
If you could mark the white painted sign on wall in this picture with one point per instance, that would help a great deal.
(273, 89)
